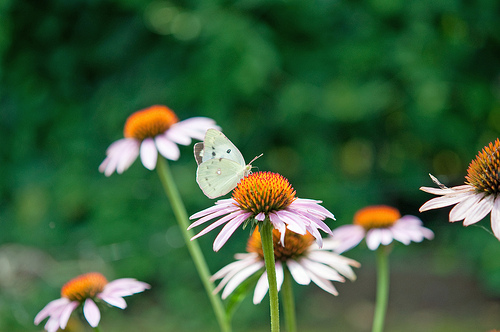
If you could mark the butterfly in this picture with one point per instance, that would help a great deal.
(221, 165)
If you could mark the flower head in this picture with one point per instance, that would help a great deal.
(149, 131)
(85, 290)
(478, 196)
(380, 225)
(261, 196)
(299, 254)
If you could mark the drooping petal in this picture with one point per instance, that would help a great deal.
(348, 236)
(479, 211)
(241, 276)
(461, 210)
(63, 319)
(298, 273)
(261, 288)
(495, 218)
(373, 238)
(91, 312)
(149, 154)
(167, 148)
(52, 307)
(115, 301)
(443, 201)
(228, 230)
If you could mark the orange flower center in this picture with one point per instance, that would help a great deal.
(149, 122)
(484, 171)
(295, 244)
(380, 216)
(263, 192)
(84, 286)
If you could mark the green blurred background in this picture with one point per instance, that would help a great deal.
(355, 102)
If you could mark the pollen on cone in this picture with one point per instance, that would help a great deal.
(84, 286)
(379, 216)
(264, 192)
(149, 122)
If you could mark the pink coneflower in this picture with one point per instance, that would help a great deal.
(85, 290)
(380, 225)
(149, 131)
(264, 195)
(478, 197)
(299, 254)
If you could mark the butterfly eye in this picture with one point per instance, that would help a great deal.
(228, 151)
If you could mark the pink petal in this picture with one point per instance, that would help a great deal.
(53, 307)
(348, 237)
(167, 148)
(149, 154)
(116, 301)
(66, 313)
(91, 312)
(227, 231)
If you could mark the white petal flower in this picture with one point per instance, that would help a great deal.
(299, 254)
(478, 197)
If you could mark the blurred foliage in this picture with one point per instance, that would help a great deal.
(355, 102)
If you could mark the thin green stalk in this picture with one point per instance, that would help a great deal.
(173, 195)
(382, 289)
(266, 235)
(96, 329)
(288, 302)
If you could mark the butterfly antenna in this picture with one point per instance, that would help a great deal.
(260, 155)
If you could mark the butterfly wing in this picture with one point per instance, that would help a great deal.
(217, 177)
(217, 145)
(198, 152)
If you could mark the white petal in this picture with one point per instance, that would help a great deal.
(373, 238)
(261, 288)
(298, 273)
(91, 312)
(241, 276)
(479, 211)
(167, 148)
(442, 201)
(149, 154)
(63, 319)
(116, 301)
(461, 210)
(495, 218)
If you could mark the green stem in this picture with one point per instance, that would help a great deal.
(266, 235)
(382, 289)
(173, 195)
(96, 329)
(288, 302)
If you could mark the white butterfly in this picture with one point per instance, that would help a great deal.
(220, 164)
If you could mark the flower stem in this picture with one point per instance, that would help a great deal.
(382, 289)
(173, 195)
(96, 329)
(289, 302)
(266, 235)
